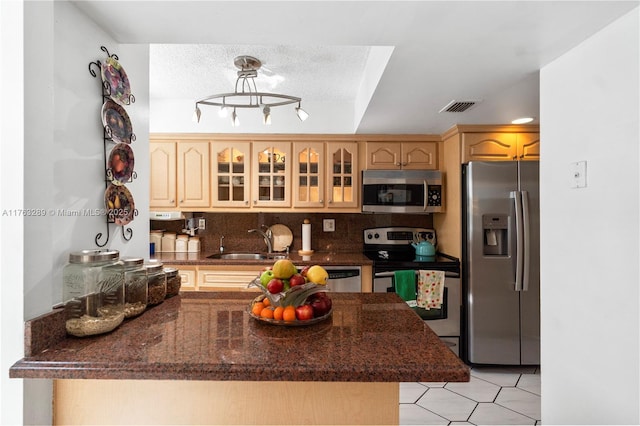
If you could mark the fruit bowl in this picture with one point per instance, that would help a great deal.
(294, 323)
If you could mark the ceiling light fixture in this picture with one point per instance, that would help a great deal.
(246, 95)
(523, 120)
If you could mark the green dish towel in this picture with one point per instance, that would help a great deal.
(405, 282)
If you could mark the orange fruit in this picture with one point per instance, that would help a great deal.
(266, 301)
(278, 313)
(289, 313)
(257, 308)
(266, 313)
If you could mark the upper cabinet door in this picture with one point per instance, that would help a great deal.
(383, 155)
(308, 174)
(342, 174)
(162, 158)
(271, 174)
(528, 146)
(489, 147)
(419, 155)
(230, 173)
(193, 174)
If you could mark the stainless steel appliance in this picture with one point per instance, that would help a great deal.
(391, 250)
(501, 262)
(402, 191)
(344, 279)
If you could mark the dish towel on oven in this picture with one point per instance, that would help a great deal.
(405, 283)
(430, 289)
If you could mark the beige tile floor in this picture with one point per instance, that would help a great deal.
(493, 396)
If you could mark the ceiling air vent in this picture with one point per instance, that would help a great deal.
(459, 106)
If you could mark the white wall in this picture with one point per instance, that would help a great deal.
(64, 163)
(590, 236)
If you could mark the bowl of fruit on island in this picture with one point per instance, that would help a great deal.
(290, 297)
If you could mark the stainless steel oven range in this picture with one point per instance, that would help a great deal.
(391, 250)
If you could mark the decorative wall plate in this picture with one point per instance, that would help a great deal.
(117, 81)
(119, 204)
(121, 162)
(116, 122)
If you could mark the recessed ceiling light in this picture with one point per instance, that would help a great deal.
(523, 120)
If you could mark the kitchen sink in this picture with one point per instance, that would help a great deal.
(247, 256)
(239, 256)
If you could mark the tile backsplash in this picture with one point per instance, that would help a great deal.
(347, 237)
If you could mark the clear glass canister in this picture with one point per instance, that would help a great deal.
(173, 281)
(156, 283)
(93, 292)
(135, 286)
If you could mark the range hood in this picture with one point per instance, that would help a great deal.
(173, 215)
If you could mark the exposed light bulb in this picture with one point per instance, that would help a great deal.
(224, 111)
(266, 120)
(302, 114)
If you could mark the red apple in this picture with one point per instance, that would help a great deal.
(304, 271)
(304, 312)
(275, 286)
(296, 279)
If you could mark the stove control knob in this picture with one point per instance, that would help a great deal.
(369, 236)
(376, 236)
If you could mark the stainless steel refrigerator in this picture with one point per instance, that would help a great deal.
(501, 262)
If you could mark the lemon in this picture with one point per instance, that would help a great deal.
(317, 274)
(283, 269)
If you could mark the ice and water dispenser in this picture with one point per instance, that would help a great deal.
(495, 228)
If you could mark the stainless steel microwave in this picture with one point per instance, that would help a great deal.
(402, 191)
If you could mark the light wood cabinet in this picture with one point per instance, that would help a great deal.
(188, 277)
(162, 159)
(308, 174)
(342, 174)
(193, 174)
(414, 155)
(227, 277)
(500, 146)
(230, 177)
(271, 174)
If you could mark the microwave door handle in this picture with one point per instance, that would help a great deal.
(519, 243)
(526, 241)
(426, 195)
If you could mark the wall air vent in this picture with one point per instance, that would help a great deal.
(459, 106)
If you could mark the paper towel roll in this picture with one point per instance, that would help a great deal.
(306, 236)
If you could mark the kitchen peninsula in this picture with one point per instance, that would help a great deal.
(199, 358)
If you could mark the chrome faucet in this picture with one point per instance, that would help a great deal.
(267, 238)
(222, 244)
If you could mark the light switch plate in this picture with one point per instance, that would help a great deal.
(202, 223)
(328, 225)
(578, 174)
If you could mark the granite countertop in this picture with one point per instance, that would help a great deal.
(320, 258)
(370, 337)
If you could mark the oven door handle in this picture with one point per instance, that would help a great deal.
(392, 273)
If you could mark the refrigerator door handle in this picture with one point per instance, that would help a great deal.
(519, 239)
(527, 238)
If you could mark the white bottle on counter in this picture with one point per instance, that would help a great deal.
(181, 243)
(194, 245)
(169, 242)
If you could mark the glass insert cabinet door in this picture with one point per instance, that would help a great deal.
(308, 174)
(271, 174)
(231, 173)
(342, 174)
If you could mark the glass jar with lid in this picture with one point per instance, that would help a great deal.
(173, 281)
(135, 286)
(156, 283)
(93, 292)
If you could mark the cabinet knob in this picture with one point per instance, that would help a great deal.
(172, 201)
(246, 203)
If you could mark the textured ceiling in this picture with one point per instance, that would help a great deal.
(332, 73)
